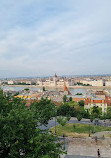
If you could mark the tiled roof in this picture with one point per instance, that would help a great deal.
(95, 101)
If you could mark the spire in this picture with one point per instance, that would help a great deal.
(55, 75)
(66, 89)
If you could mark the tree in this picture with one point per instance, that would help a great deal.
(72, 104)
(79, 117)
(64, 98)
(70, 99)
(43, 88)
(63, 120)
(79, 94)
(96, 111)
(65, 110)
(81, 103)
(108, 112)
(26, 89)
(19, 132)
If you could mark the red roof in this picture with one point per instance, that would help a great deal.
(95, 101)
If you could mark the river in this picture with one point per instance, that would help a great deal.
(17, 88)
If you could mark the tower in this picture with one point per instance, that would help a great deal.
(55, 79)
(66, 91)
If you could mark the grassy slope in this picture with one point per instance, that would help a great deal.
(78, 130)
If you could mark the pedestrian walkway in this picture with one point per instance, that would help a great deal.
(87, 148)
(77, 156)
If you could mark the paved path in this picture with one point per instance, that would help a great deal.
(77, 156)
(101, 134)
(86, 147)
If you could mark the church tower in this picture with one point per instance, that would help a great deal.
(66, 91)
(55, 79)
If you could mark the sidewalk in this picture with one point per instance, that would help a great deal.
(86, 147)
(77, 156)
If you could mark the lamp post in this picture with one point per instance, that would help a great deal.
(55, 118)
(55, 124)
(89, 129)
(64, 140)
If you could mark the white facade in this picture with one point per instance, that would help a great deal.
(55, 82)
(103, 106)
(10, 82)
(108, 83)
(97, 83)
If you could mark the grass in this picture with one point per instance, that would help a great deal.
(78, 130)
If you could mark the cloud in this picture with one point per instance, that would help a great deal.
(44, 37)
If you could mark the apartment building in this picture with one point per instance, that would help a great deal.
(91, 102)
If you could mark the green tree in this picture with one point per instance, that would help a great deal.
(64, 98)
(70, 99)
(63, 120)
(72, 104)
(65, 110)
(19, 132)
(79, 94)
(96, 112)
(43, 88)
(79, 117)
(108, 113)
(26, 89)
(81, 103)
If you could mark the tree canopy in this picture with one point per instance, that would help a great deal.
(20, 133)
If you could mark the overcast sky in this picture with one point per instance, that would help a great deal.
(41, 37)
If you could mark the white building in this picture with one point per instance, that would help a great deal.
(108, 83)
(11, 82)
(97, 83)
(55, 82)
(91, 102)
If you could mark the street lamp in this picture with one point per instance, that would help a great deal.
(64, 140)
(55, 124)
(89, 129)
(55, 118)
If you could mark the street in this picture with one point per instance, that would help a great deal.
(51, 123)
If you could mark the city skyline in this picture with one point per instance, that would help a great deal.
(39, 38)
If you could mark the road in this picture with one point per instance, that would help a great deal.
(51, 123)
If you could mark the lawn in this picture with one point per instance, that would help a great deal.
(78, 130)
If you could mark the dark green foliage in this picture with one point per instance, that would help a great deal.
(96, 112)
(26, 89)
(70, 98)
(19, 135)
(78, 93)
(79, 117)
(81, 103)
(45, 110)
(43, 88)
(62, 120)
(65, 110)
(64, 98)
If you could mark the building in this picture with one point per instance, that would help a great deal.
(97, 83)
(11, 82)
(91, 102)
(100, 94)
(78, 98)
(55, 82)
(108, 83)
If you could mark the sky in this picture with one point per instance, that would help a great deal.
(41, 37)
